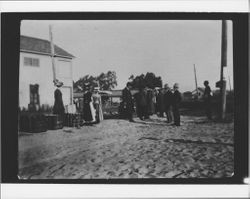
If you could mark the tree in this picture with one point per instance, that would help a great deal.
(149, 80)
(106, 81)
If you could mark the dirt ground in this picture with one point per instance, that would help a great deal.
(117, 148)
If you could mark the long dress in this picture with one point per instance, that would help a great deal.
(97, 102)
(127, 103)
(58, 107)
(88, 107)
(150, 103)
(141, 104)
(160, 103)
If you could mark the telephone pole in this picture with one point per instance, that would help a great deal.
(223, 64)
(196, 85)
(229, 84)
(52, 53)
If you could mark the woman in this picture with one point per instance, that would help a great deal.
(88, 109)
(58, 107)
(141, 103)
(150, 102)
(97, 102)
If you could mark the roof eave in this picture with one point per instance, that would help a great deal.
(42, 53)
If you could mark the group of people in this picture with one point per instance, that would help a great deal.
(153, 101)
(92, 106)
(148, 102)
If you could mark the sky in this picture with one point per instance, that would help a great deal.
(168, 48)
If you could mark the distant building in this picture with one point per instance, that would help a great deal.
(36, 74)
(198, 95)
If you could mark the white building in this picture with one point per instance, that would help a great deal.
(36, 73)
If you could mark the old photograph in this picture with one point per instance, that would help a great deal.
(126, 99)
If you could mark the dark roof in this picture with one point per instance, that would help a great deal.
(42, 46)
(200, 89)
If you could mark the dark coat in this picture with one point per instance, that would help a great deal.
(127, 100)
(150, 103)
(176, 100)
(58, 107)
(207, 94)
(160, 102)
(87, 115)
(168, 99)
(141, 98)
(176, 104)
(141, 103)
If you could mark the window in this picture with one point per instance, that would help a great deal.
(34, 94)
(28, 61)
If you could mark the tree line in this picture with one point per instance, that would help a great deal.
(108, 81)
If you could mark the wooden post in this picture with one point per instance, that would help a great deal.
(196, 85)
(229, 84)
(52, 53)
(223, 64)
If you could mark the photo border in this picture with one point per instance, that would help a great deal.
(10, 32)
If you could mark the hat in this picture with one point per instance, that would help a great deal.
(176, 85)
(57, 83)
(97, 88)
(86, 85)
(206, 82)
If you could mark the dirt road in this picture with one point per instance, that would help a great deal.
(120, 149)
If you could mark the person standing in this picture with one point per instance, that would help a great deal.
(141, 103)
(207, 100)
(160, 102)
(58, 107)
(176, 104)
(97, 102)
(168, 97)
(150, 102)
(87, 106)
(127, 100)
(156, 93)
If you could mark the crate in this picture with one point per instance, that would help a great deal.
(54, 122)
(72, 120)
(32, 123)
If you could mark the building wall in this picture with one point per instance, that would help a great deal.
(64, 74)
(43, 76)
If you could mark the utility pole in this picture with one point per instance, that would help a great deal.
(196, 85)
(229, 84)
(223, 64)
(52, 53)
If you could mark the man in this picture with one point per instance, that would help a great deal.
(127, 100)
(207, 100)
(176, 104)
(168, 97)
